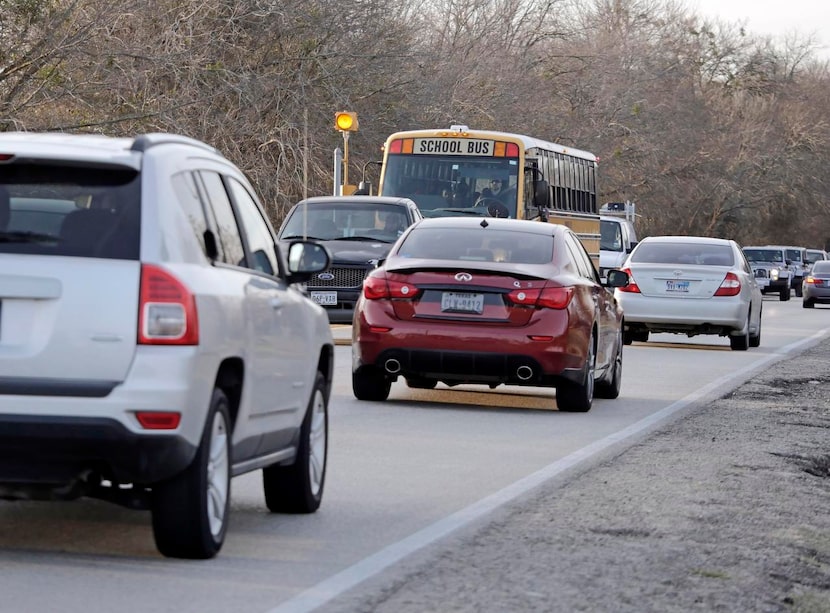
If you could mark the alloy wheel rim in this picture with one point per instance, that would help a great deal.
(218, 468)
(317, 444)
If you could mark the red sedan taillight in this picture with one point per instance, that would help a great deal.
(381, 288)
(166, 310)
(731, 285)
(545, 298)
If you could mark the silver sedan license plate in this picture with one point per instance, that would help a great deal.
(324, 298)
(681, 287)
(462, 302)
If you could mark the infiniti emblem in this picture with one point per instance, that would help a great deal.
(463, 276)
(325, 276)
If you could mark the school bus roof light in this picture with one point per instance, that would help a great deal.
(345, 121)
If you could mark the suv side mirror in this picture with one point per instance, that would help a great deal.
(306, 258)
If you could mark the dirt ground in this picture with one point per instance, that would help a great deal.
(726, 509)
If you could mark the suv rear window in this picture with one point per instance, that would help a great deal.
(54, 208)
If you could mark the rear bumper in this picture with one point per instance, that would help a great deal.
(705, 316)
(51, 452)
(463, 354)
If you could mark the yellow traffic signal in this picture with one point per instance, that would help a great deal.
(345, 121)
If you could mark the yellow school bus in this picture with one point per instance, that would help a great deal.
(459, 171)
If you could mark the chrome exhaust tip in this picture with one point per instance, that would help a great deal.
(392, 366)
(524, 373)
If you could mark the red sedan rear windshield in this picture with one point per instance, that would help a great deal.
(478, 244)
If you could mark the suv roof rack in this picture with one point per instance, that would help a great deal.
(145, 141)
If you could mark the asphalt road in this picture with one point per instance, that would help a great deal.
(404, 476)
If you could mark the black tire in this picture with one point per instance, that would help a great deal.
(190, 511)
(755, 340)
(798, 288)
(369, 383)
(628, 337)
(421, 384)
(610, 386)
(578, 397)
(808, 304)
(298, 487)
(784, 294)
(740, 342)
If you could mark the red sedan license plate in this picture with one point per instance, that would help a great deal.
(462, 302)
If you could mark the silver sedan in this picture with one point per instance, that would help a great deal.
(691, 285)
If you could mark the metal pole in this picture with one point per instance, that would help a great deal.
(338, 162)
(345, 158)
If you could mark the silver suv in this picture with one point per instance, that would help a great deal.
(152, 343)
(771, 270)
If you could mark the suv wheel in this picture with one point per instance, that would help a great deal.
(797, 287)
(190, 511)
(298, 487)
(784, 294)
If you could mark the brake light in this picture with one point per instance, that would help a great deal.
(632, 286)
(5, 157)
(158, 420)
(731, 285)
(544, 298)
(381, 288)
(166, 310)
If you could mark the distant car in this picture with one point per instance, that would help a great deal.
(814, 255)
(617, 239)
(797, 263)
(358, 231)
(691, 285)
(154, 342)
(771, 269)
(489, 301)
(816, 287)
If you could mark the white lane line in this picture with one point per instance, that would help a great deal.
(328, 589)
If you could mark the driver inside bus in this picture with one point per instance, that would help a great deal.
(495, 188)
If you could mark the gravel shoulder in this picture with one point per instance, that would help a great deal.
(725, 509)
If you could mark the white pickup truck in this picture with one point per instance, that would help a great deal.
(617, 235)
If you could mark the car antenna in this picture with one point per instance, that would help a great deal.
(484, 223)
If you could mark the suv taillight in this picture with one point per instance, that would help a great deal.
(166, 310)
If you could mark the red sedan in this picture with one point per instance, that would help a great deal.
(489, 301)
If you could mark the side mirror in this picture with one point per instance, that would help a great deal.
(616, 278)
(541, 194)
(306, 258)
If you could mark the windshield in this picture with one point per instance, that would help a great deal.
(610, 236)
(346, 221)
(83, 211)
(764, 255)
(814, 256)
(475, 245)
(683, 253)
(454, 183)
(794, 255)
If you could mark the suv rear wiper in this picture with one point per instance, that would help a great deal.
(26, 237)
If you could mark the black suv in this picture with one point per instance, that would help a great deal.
(358, 231)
